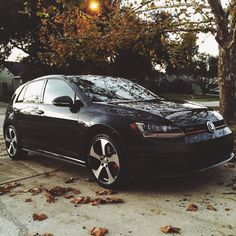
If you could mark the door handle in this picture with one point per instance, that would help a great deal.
(40, 112)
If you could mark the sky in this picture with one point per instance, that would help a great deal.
(206, 42)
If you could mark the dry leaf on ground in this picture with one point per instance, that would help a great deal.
(58, 190)
(192, 207)
(68, 196)
(98, 231)
(76, 191)
(107, 200)
(106, 192)
(97, 201)
(39, 217)
(49, 197)
(8, 187)
(28, 200)
(35, 191)
(211, 208)
(71, 180)
(81, 200)
(169, 229)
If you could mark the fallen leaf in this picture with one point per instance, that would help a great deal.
(76, 191)
(47, 234)
(71, 180)
(192, 207)
(28, 200)
(68, 196)
(35, 191)
(59, 191)
(169, 229)
(211, 208)
(49, 197)
(39, 217)
(107, 200)
(98, 231)
(8, 187)
(81, 200)
(106, 192)
(97, 201)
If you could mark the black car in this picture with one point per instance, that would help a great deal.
(115, 127)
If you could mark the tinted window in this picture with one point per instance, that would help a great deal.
(103, 89)
(33, 92)
(57, 88)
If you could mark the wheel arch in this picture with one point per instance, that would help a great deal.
(101, 129)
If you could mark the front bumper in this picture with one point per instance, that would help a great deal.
(180, 157)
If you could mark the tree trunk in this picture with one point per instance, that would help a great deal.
(227, 81)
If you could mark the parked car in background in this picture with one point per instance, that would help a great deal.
(114, 127)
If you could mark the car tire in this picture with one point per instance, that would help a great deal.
(106, 161)
(12, 144)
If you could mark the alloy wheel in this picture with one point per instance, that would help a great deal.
(11, 141)
(104, 161)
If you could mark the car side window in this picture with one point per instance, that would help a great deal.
(57, 88)
(21, 95)
(33, 92)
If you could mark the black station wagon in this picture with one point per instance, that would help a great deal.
(114, 127)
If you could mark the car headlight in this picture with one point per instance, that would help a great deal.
(151, 130)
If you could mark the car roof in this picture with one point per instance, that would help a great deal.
(53, 76)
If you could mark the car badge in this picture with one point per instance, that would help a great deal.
(211, 127)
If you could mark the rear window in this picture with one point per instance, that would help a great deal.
(33, 92)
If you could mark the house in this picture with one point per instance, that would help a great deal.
(11, 77)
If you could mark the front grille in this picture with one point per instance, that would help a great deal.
(202, 128)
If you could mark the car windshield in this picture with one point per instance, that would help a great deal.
(109, 89)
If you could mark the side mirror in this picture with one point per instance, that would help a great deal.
(64, 101)
(79, 104)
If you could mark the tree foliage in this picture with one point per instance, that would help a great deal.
(18, 28)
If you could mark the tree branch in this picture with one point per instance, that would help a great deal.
(221, 21)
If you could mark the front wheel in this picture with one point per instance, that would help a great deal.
(12, 143)
(106, 162)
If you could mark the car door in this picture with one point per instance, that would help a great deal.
(27, 115)
(60, 123)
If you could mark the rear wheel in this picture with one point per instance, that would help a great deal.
(106, 162)
(12, 143)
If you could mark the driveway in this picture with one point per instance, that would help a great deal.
(149, 204)
(203, 204)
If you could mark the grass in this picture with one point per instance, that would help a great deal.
(196, 97)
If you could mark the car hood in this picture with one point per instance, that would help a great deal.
(181, 113)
